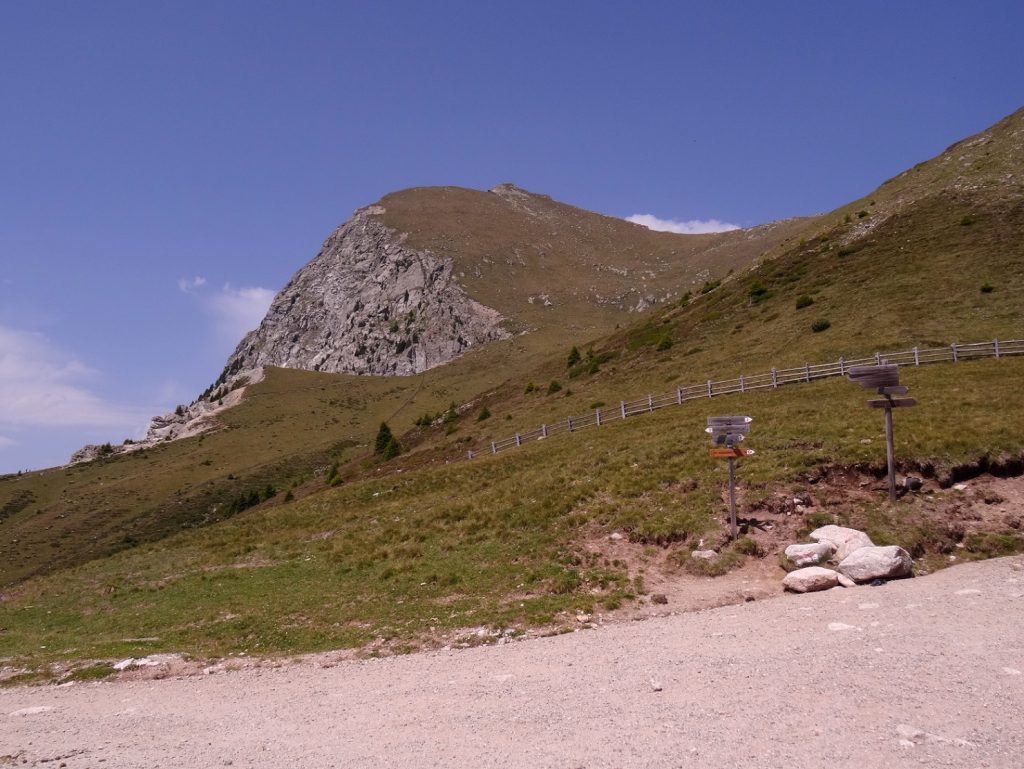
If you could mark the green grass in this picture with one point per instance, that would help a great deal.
(399, 561)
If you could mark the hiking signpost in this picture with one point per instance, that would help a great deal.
(885, 379)
(726, 435)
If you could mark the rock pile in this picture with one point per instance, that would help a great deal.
(857, 560)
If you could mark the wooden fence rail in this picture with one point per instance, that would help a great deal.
(918, 356)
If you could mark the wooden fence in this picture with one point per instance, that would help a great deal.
(775, 378)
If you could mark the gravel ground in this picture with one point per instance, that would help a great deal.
(924, 672)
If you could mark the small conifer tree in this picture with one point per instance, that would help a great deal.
(384, 437)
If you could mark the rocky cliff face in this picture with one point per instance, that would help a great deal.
(368, 304)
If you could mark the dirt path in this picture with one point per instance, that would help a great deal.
(924, 672)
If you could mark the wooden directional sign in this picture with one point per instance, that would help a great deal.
(729, 421)
(885, 375)
(726, 439)
(732, 429)
(737, 452)
(892, 403)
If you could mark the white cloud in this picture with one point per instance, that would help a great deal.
(691, 227)
(6, 442)
(44, 386)
(238, 311)
(187, 286)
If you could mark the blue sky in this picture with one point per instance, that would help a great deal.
(167, 166)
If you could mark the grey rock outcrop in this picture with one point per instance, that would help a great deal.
(870, 563)
(810, 579)
(368, 304)
(844, 540)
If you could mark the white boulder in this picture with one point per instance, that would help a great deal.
(810, 579)
(870, 563)
(704, 555)
(811, 554)
(845, 540)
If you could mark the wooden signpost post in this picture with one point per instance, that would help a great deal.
(726, 432)
(885, 380)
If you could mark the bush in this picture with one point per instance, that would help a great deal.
(967, 220)
(803, 301)
(758, 292)
(664, 343)
(392, 449)
(384, 437)
(820, 325)
(710, 286)
(987, 288)
(451, 414)
(574, 357)
(484, 414)
(554, 387)
(530, 387)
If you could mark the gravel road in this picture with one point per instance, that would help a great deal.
(923, 672)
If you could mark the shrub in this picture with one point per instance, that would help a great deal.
(803, 301)
(392, 449)
(758, 292)
(987, 288)
(664, 343)
(574, 357)
(554, 387)
(710, 286)
(845, 251)
(597, 404)
(484, 414)
(530, 387)
(967, 220)
(861, 214)
(820, 325)
(451, 414)
(384, 437)
(684, 299)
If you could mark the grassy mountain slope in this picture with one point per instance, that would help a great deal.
(510, 541)
(416, 548)
(562, 271)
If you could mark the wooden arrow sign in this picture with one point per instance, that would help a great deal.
(892, 403)
(730, 452)
(728, 429)
(723, 421)
(886, 375)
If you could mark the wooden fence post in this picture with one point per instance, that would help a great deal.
(953, 347)
(775, 377)
(842, 366)
(568, 422)
(679, 396)
(878, 359)
(710, 394)
(494, 449)
(650, 403)
(519, 441)
(622, 407)
(807, 372)
(995, 346)
(917, 357)
(543, 431)
(597, 415)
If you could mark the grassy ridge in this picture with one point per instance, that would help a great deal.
(400, 561)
